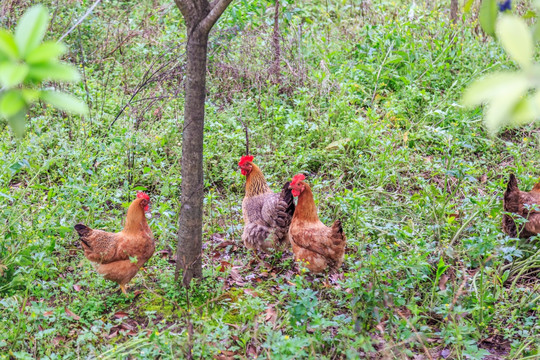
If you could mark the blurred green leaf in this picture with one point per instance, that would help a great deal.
(64, 102)
(12, 74)
(516, 39)
(17, 123)
(30, 95)
(8, 48)
(31, 29)
(468, 5)
(46, 52)
(488, 16)
(536, 31)
(495, 85)
(524, 111)
(54, 71)
(11, 102)
(499, 110)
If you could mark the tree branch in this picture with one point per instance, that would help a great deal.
(186, 7)
(216, 10)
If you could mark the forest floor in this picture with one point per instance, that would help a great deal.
(366, 103)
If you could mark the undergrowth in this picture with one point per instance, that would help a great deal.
(366, 103)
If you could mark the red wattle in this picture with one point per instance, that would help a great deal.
(295, 192)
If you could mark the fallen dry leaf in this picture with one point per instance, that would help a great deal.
(224, 244)
(251, 292)
(235, 275)
(120, 314)
(442, 282)
(47, 313)
(271, 315)
(77, 287)
(72, 314)
(483, 179)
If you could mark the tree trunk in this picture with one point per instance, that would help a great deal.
(454, 10)
(190, 221)
(200, 16)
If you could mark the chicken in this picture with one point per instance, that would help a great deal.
(313, 243)
(264, 211)
(119, 256)
(524, 204)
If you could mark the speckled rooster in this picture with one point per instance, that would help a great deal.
(264, 211)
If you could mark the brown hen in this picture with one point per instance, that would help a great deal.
(313, 243)
(522, 204)
(119, 256)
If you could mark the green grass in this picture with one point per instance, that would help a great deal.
(415, 179)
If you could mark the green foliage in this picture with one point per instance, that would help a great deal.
(25, 63)
(511, 97)
(367, 107)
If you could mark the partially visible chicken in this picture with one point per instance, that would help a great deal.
(264, 211)
(313, 243)
(119, 256)
(524, 204)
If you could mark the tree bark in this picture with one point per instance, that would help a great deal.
(454, 10)
(200, 16)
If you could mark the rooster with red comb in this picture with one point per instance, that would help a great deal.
(264, 211)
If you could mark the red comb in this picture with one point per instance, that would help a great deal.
(142, 195)
(297, 178)
(245, 159)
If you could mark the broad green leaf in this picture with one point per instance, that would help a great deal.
(17, 123)
(529, 14)
(495, 85)
(524, 111)
(516, 39)
(54, 71)
(31, 29)
(536, 31)
(12, 73)
(488, 16)
(63, 101)
(30, 95)
(49, 51)
(337, 144)
(11, 103)
(499, 110)
(467, 6)
(8, 48)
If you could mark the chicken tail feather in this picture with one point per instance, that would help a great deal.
(511, 204)
(512, 184)
(286, 195)
(337, 227)
(83, 231)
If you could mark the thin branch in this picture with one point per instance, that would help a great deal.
(247, 135)
(80, 20)
(219, 7)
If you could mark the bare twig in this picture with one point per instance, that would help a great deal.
(379, 73)
(247, 134)
(418, 337)
(80, 20)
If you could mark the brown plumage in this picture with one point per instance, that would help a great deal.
(264, 211)
(119, 256)
(313, 243)
(522, 204)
